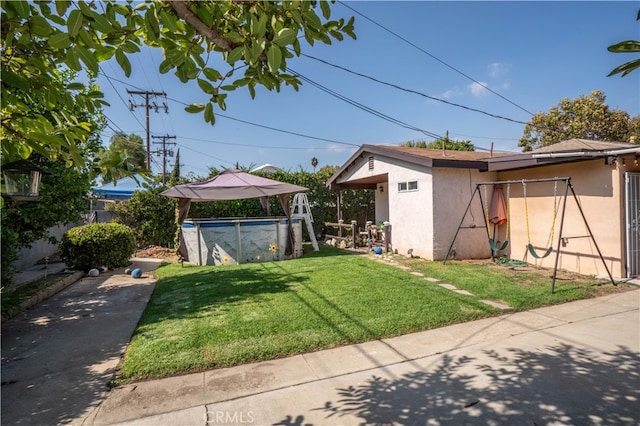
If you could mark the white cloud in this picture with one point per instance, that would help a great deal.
(477, 89)
(497, 69)
(448, 94)
(333, 147)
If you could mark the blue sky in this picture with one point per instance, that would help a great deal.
(533, 54)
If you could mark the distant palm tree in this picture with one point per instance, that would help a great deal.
(314, 163)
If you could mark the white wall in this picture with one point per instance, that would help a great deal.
(411, 212)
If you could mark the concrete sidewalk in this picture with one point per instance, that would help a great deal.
(576, 363)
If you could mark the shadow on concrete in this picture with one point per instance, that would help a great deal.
(559, 384)
(58, 357)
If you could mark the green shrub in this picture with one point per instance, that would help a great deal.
(9, 245)
(151, 216)
(97, 244)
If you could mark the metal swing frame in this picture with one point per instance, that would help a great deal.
(568, 186)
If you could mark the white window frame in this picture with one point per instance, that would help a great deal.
(408, 186)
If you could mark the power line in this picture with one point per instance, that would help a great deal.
(164, 152)
(364, 107)
(395, 86)
(147, 106)
(434, 57)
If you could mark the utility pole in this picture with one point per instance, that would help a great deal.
(164, 152)
(145, 94)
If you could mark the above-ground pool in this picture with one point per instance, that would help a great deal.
(232, 241)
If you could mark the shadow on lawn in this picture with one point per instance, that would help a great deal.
(558, 384)
(202, 288)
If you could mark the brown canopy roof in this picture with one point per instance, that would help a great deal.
(231, 185)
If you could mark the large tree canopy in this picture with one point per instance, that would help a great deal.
(450, 144)
(586, 117)
(254, 38)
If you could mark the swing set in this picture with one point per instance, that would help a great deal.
(530, 249)
(492, 243)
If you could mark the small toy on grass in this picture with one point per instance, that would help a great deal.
(377, 250)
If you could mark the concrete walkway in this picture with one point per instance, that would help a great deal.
(575, 363)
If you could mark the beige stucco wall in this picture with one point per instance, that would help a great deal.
(452, 191)
(426, 220)
(599, 189)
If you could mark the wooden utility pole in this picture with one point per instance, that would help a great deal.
(164, 152)
(148, 106)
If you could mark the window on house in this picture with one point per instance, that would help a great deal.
(371, 163)
(412, 185)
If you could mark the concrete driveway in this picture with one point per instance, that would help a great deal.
(58, 356)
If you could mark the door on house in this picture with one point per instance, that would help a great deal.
(632, 207)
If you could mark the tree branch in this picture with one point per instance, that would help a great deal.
(212, 35)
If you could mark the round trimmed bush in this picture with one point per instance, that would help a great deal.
(108, 244)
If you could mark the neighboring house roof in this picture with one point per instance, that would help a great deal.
(122, 189)
(582, 145)
(267, 168)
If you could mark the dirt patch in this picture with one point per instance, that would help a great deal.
(158, 252)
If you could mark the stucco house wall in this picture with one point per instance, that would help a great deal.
(599, 189)
(452, 191)
(427, 218)
(411, 208)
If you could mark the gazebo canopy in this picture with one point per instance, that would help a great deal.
(232, 185)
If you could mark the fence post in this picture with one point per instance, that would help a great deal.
(353, 233)
(387, 235)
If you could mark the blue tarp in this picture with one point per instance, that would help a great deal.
(121, 190)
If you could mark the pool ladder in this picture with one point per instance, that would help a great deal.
(302, 211)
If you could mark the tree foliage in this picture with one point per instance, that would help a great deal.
(627, 46)
(125, 156)
(449, 144)
(254, 40)
(150, 215)
(174, 177)
(586, 117)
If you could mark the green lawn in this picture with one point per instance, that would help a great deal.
(209, 317)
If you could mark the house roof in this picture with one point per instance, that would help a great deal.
(267, 168)
(582, 145)
(568, 151)
(420, 156)
(122, 189)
